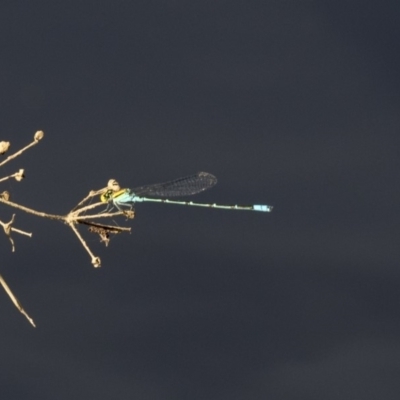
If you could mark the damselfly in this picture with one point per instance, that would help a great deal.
(188, 185)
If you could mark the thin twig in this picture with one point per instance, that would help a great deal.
(19, 152)
(21, 232)
(18, 175)
(71, 219)
(103, 215)
(8, 228)
(87, 208)
(6, 177)
(95, 260)
(91, 194)
(12, 242)
(15, 301)
(107, 227)
(31, 211)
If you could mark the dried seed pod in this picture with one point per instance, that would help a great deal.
(4, 146)
(129, 214)
(19, 175)
(96, 262)
(5, 195)
(38, 136)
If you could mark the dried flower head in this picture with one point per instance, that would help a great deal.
(4, 146)
(129, 214)
(96, 262)
(5, 195)
(19, 175)
(38, 136)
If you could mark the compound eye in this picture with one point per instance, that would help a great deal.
(113, 185)
(105, 197)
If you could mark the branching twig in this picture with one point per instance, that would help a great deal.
(91, 194)
(70, 219)
(8, 228)
(78, 215)
(37, 137)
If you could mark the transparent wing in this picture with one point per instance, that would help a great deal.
(185, 186)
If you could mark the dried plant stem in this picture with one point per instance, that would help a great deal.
(102, 215)
(19, 152)
(21, 232)
(16, 301)
(74, 217)
(76, 211)
(10, 176)
(6, 177)
(91, 194)
(31, 211)
(111, 228)
(71, 220)
(95, 260)
(8, 229)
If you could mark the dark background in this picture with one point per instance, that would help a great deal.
(289, 103)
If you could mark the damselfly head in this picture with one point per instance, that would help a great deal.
(113, 185)
(106, 196)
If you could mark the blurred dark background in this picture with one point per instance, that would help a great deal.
(289, 103)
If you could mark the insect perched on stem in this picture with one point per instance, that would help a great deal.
(186, 186)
